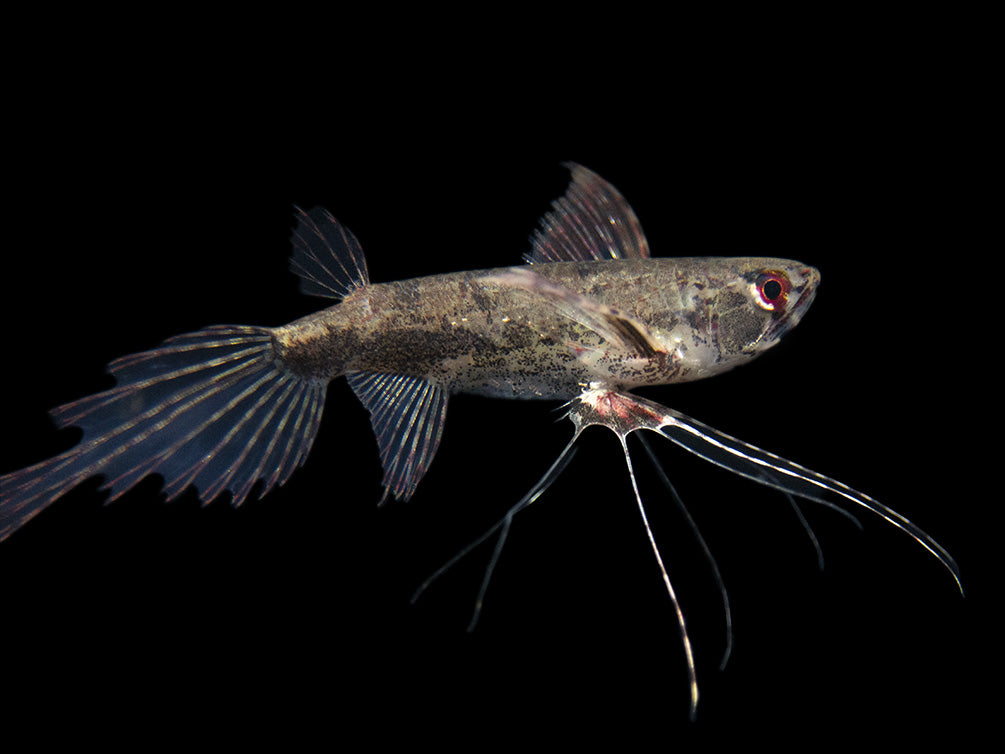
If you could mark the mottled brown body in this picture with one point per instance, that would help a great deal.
(489, 332)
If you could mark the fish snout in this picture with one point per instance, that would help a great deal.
(804, 289)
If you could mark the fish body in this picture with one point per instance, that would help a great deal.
(556, 330)
(588, 319)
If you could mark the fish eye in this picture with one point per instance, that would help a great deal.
(771, 290)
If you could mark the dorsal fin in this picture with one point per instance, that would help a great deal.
(407, 415)
(326, 256)
(591, 222)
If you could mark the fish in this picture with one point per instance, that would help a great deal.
(589, 318)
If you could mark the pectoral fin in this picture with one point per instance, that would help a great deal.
(622, 331)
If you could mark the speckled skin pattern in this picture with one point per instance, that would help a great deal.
(479, 332)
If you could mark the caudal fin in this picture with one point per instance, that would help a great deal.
(213, 409)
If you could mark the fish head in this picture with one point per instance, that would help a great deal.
(757, 301)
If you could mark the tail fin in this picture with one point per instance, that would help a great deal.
(212, 408)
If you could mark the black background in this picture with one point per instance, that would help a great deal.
(154, 209)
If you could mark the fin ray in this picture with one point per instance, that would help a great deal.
(592, 221)
(745, 459)
(212, 409)
(326, 256)
(407, 415)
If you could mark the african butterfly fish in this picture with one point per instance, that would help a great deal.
(589, 318)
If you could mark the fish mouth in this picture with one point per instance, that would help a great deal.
(808, 290)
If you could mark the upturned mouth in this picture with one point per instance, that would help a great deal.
(811, 276)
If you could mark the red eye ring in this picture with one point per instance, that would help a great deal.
(772, 288)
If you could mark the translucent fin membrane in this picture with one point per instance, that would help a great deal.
(407, 414)
(592, 221)
(326, 256)
(211, 409)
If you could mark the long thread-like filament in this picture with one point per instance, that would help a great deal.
(502, 526)
(692, 676)
(716, 573)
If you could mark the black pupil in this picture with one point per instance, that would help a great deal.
(772, 289)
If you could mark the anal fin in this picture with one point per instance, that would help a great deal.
(407, 415)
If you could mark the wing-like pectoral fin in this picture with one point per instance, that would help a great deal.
(622, 331)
